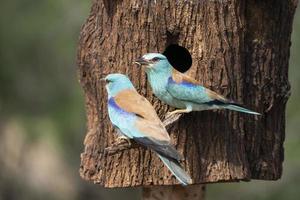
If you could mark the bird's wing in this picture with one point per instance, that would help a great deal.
(148, 129)
(132, 102)
(185, 88)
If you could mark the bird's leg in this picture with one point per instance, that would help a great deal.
(172, 117)
(179, 111)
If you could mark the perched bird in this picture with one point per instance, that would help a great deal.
(134, 116)
(181, 91)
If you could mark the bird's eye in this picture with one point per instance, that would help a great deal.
(155, 59)
(107, 80)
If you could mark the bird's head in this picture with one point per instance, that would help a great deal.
(154, 61)
(115, 83)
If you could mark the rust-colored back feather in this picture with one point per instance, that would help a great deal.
(147, 122)
(179, 77)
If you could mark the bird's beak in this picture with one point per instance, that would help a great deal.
(142, 61)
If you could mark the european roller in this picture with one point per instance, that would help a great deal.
(136, 119)
(181, 91)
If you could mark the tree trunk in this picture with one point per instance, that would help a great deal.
(193, 192)
(239, 48)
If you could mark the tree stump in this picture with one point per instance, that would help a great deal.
(239, 49)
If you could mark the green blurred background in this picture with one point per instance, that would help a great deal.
(42, 117)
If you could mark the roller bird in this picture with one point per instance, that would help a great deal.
(181, 91)
(136, 119)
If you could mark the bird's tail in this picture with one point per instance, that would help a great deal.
(236, 107)
(176, 169)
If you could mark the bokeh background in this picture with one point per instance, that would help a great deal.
(42, 117)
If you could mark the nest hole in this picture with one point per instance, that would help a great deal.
(179, 57)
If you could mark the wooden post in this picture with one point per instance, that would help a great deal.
(239, 49)
(193, 192)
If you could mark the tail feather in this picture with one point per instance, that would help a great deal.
(159, 147)
(240, 109)
(176, 169)
(231, 105)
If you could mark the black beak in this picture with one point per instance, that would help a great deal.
(142, 61)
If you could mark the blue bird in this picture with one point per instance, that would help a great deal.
(136, 119)
(181, 91)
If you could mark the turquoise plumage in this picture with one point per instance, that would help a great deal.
(181, 91)
(134, 116)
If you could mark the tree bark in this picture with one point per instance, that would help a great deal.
(239, 48)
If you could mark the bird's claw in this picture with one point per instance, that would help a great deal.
(122, 139)
(117, 148)
(170, 118)
(169, 114)
(122, 143)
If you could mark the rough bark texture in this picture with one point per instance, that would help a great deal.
(239, 49)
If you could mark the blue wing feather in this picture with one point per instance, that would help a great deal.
(120, 118)
(187, 91)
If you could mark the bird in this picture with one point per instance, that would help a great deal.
(136, 119)
(180, 90)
